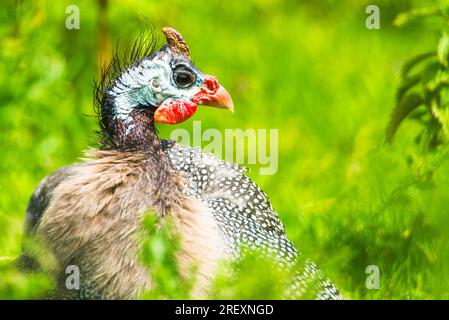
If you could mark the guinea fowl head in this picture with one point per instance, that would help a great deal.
(161, 86)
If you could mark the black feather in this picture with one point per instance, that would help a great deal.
(144, 45)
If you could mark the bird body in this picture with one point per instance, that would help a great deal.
(90, 214)
(95, 212)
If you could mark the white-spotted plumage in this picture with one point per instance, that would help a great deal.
(244, 215)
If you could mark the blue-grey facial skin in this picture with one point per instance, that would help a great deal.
(150, 82)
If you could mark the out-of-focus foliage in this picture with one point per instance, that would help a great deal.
(307, 68)
(424, 93)
(254, 276)
(159, 254)
(17, 285)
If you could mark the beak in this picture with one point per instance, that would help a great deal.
(219, 99)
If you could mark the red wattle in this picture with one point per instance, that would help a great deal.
(175, 111)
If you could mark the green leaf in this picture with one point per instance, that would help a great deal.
(443, 49)
(442, 115)
(439, 81)
(407, 104)
(406, 85)
(411, 63)
(430, 73)
(409, 16)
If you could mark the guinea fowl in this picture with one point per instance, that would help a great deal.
(88, 214)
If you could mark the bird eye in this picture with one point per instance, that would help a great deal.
(184, 78)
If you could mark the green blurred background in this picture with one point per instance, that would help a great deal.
(307, 68)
